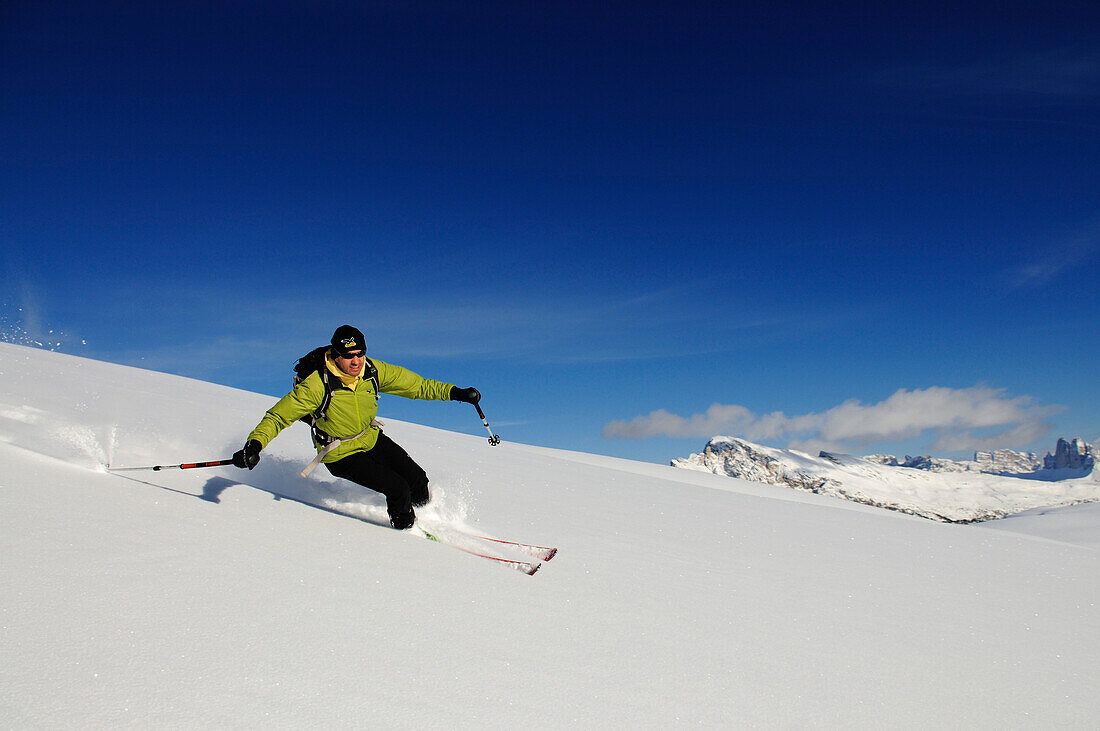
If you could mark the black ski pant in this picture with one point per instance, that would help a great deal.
(388, 469)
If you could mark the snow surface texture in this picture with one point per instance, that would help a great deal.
(942, 490)
(197, 599)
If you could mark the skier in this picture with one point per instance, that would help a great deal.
(362, 453)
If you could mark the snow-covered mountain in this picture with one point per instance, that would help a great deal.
(993, 485)
(222, 598)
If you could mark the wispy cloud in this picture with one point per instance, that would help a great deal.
(952, 414)
(1056, 259)
(1063, 72)
(590, 329)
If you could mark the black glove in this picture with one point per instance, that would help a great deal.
(249, 456)
(470, 395)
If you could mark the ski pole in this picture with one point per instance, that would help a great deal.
(184, 466)
(493, 438)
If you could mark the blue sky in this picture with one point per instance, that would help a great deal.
(631, 225)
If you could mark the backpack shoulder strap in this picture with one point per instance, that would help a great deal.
(371, 372)
(314, 361)
(328, 380)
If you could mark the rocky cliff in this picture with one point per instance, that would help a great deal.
(1074, 455)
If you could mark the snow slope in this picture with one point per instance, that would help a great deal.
(199, 599)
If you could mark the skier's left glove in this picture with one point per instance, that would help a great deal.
(249, 456)
(470, 395)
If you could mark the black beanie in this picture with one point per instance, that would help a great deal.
(347, 339)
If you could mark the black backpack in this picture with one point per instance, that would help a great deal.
(313, 361)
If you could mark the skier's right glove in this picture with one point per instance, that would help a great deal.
(249, 456)
(469, 395)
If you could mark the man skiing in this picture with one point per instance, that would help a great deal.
(349, 441)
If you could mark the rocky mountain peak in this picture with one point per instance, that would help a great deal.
(1074, 455)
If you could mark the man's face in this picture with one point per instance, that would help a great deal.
(352, 363)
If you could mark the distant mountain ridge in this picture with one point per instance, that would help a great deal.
(998, 462)
(992, 485)
(1075, 454)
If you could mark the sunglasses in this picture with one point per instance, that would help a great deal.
(349, 356)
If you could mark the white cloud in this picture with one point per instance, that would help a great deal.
(718, 419)
(953, 414)
(1026, 433)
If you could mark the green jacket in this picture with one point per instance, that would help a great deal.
(351, 410)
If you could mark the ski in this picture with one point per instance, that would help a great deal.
(543, 553)
(525, 566)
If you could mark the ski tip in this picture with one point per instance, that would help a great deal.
(532, 568)
(550, 554)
